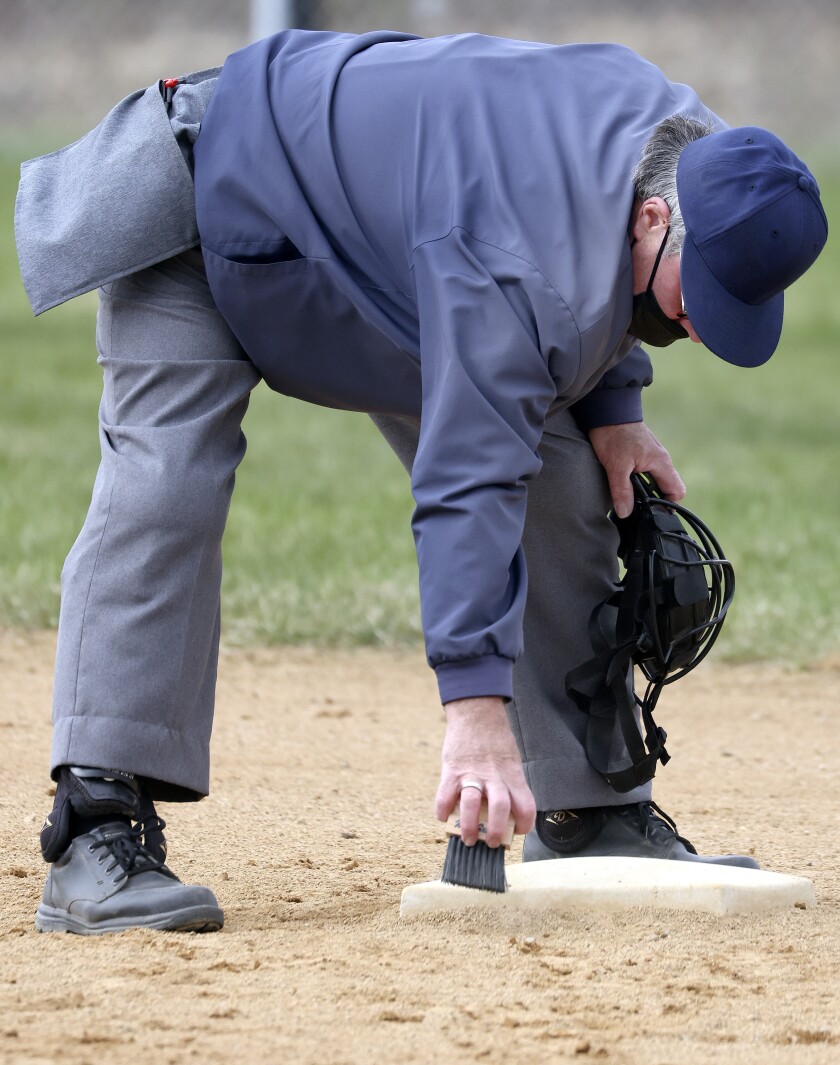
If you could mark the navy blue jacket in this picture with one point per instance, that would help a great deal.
(438, 227)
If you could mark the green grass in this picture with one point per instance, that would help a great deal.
(318, 547)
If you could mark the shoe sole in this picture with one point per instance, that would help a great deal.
(193, 919)
(537, 851)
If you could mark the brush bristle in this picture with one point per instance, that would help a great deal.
(478, 866)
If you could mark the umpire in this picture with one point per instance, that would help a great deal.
(466, 237)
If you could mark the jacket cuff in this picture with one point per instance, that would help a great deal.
(608, 406)
(474, 677)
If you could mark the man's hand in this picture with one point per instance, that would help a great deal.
(632, 448)
(480, 746)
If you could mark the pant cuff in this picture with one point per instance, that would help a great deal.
(176, 769)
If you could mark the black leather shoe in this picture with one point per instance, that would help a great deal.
(108, 881)
(639, 830)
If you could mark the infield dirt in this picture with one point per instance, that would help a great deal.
(323, 777)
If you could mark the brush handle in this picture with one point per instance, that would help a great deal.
(453, 825)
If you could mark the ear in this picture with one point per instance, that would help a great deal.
(653, 216)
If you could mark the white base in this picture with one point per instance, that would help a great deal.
(619, 884)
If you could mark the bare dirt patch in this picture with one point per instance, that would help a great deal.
(324, 771)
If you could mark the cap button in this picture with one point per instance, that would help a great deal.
(804, 183)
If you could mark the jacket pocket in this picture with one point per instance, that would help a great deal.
(259, 253)
(305, 335)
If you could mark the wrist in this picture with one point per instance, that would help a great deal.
(479, 707)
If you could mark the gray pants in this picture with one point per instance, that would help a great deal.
(139, 627)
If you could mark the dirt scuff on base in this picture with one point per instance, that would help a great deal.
(324, 772)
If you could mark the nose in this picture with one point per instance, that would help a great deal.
(692, 333)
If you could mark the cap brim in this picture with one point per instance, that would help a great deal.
(736, 332)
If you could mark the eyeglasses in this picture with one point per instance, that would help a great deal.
(682, 313)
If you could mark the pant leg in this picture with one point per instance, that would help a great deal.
(570, 549)
(139, 624)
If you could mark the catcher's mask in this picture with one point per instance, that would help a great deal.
(664, 617)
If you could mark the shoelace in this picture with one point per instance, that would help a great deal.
(653, 816)
(129, 852)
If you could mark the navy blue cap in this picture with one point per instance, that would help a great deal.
(754, 224)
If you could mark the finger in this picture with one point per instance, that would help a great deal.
(523, 809)
(469, 807)
(621, 491)
(498, 813)
(446, 797)
(670, 483)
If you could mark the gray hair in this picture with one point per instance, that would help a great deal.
(656, 171)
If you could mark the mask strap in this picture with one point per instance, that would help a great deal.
(658, 257)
